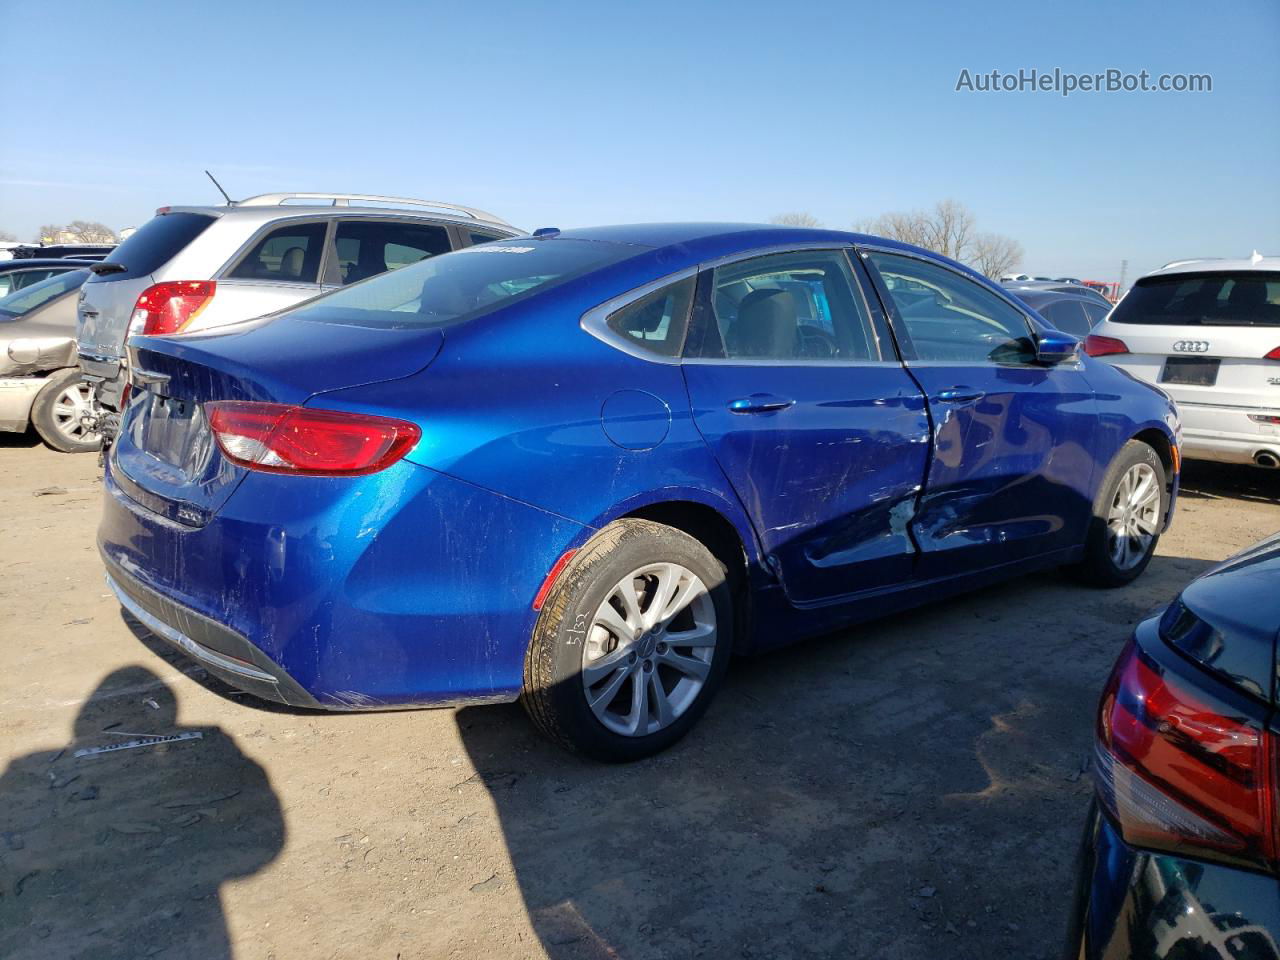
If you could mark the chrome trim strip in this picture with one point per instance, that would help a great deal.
(182, 640)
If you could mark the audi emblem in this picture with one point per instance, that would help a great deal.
(1191, 346)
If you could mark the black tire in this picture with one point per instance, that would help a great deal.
(44, 415)
(1099, 567)
(554, 694)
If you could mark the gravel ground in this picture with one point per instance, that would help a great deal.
(911, 788)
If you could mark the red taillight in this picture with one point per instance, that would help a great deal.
(1096, 346)
(1178, 770)
(280, 438)
(1273, 355)
(170, 306)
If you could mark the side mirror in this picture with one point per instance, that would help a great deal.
(1054, 346)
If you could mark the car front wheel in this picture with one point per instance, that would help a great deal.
(1127, 517)
(632, 643)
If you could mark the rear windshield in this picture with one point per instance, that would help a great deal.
(23, 301)
(458, 286)
(154, 244)
(1204, 299)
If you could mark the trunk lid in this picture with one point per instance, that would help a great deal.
(166, 457)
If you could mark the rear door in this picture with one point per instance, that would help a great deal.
(819, 430)
(279, 267)
(1011, 471)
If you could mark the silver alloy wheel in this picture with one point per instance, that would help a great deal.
(1134, 517)
(69, 407)
(649, 649)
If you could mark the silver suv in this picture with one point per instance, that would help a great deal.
(192, 268)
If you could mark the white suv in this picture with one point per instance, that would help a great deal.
(1207, 332)
(192, 268)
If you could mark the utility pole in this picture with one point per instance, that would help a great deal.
(1124, 268)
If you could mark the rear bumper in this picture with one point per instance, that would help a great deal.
(107, 374)
(222, 651)
(1227, 434)
(402, 588)
(16, 396)
(1131, 902)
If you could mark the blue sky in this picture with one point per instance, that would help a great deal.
(584, 113)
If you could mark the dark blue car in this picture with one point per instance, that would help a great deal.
(583, 468)
(1181, 853)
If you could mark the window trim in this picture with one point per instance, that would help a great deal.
(224, 275)
(595, 320)
(898, 324)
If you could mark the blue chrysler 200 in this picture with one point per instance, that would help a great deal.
(583, 468)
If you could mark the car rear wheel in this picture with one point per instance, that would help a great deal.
(632, 643)
(1127, 516)
(58, 410)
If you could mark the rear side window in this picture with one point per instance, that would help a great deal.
(154, 244)
(1067, 315)
(797, 306)
(475, 236)
(1203, 299)
(288, 254)
(368, 248)
(657, 322)
(23, 301)
(472, 281)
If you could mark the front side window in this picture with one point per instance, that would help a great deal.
(949, 317)
(798, 306)
(288, 254)
(367, 248)
(656, 322)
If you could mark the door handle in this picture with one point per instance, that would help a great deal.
(759, 403)
(959, 395)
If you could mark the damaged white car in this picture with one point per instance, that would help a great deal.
(40, 381)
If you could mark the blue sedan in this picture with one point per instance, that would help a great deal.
(583, 468)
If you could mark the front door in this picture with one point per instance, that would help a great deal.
(1012, 468)
(818, 428)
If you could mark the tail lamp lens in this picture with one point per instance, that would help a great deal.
(1177, 770)
(1272, 355)
(169, 307)
(279, 438)
(1096, 346)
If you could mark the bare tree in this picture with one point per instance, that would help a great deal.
(946, 229)
(7, 237)
(994, 254)
(77, 231)
(90, 231)
(795, 219)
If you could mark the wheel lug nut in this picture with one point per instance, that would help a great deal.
(662, 648)
(631, 657)
(648, 666)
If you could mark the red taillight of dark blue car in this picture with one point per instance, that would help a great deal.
(280, 438)
(1178, 769)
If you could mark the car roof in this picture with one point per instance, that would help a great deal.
(281, 206)
(1214, 265)
(694, 242)
(36, 263)
(1045, 296)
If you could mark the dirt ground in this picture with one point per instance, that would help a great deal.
(909, 789)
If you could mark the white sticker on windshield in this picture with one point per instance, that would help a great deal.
(486, 248)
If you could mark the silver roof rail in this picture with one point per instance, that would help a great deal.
(344, 200)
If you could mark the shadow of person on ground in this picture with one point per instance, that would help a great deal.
(909, 787)
(122, 854)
